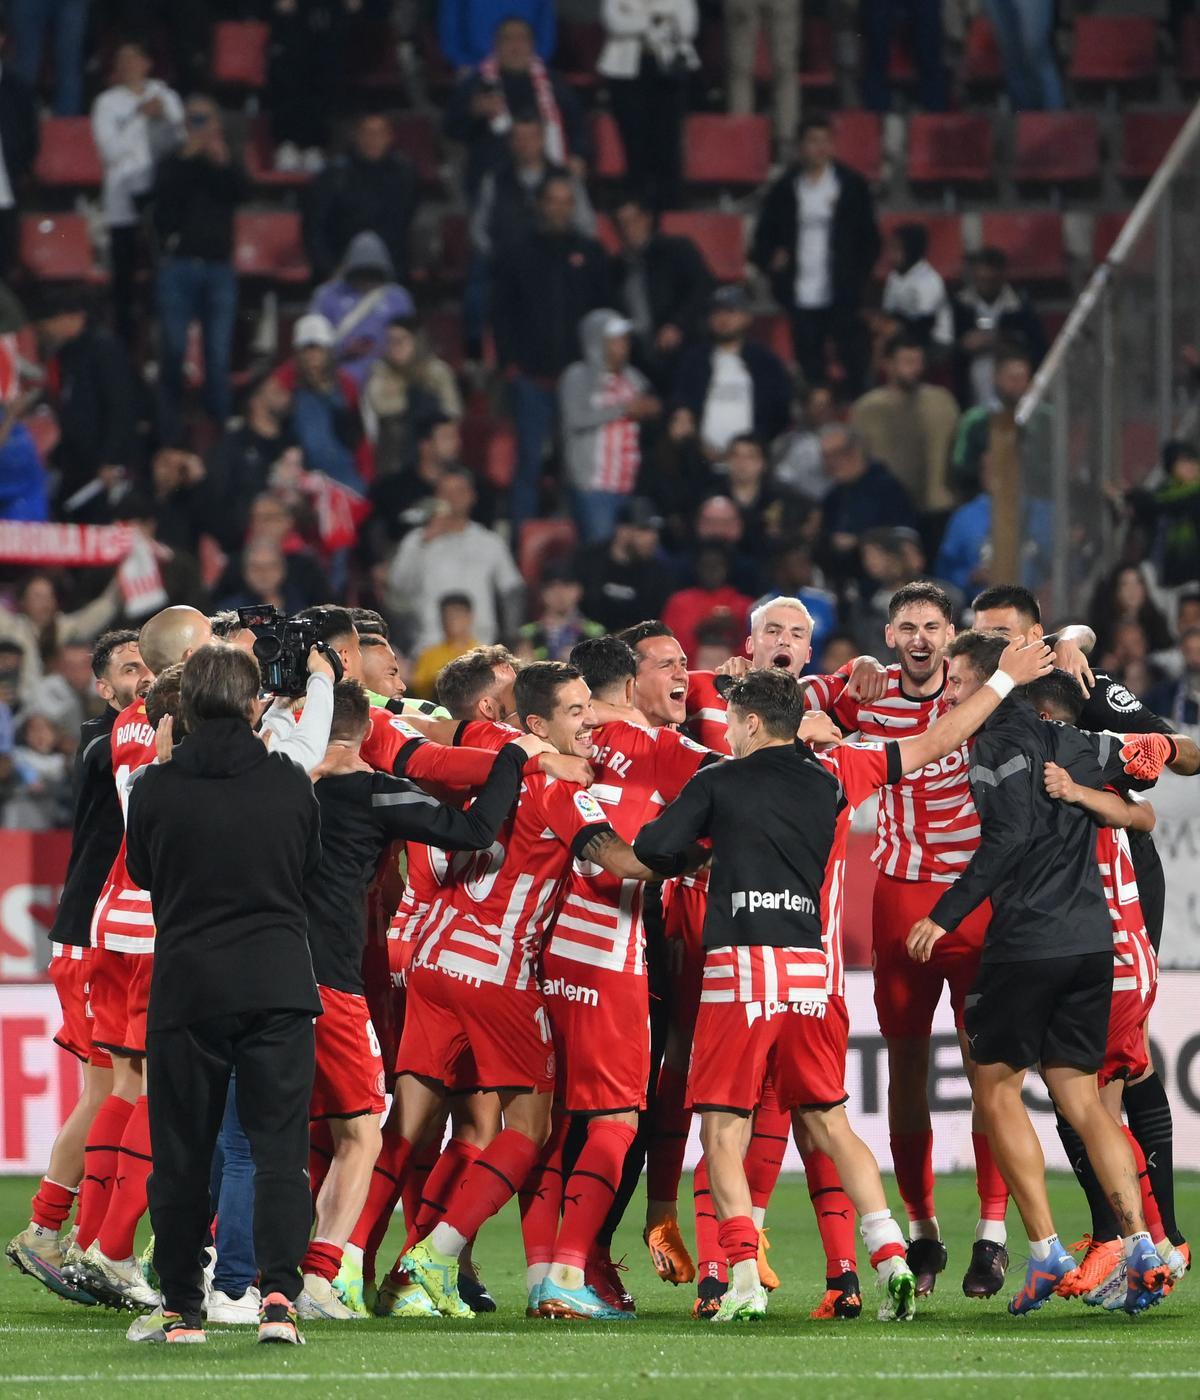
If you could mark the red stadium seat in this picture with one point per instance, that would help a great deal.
(858, 142)
(268, 244)
(1114, 49)
(444, 327)
(578, 52)
(417, 138)
(609, 163)
(981, 55)
(1146, 138)
(67, 156)
(540, 542)
(1189, 49)
(775, 331)
(456, 248)
(726, 150)
(817, 68)
(1033, 242)
(1055, 148)
(950, 148)
(57, 248)
(1105, 230)
(720, 237)
(260, 158)
(489, 448)
(239, 53)
(945, 241)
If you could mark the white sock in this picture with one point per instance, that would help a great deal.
(1043, 1249)
(924, 1229)
(354, 1253)
(566, 1275)
(1131, 1242)
(446, 1239)
(994, 1230)
(878, 1228)
(534, 1275)
(758, 1214)
(744, 1276)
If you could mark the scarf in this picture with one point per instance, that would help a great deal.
(543, 92)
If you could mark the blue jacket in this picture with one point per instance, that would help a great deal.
(467, 28)
(23, 493)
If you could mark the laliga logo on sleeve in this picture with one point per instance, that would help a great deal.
(588, 808)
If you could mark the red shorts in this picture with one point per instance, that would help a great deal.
(71, 972)
(600, 1021)
(475, 1035)
(349, 1077)
(120, 995)
(1125, 1055)
(738, 1045)
(683, 933)
(907, 992)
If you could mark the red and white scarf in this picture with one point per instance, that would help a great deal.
(618, 454)
(543, 92)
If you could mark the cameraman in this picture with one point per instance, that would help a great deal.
(303, 740)
(224, 837)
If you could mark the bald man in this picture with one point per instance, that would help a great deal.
(113, 1193)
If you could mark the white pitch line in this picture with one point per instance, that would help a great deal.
(210, 1378)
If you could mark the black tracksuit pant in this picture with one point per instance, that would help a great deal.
(187, 1078)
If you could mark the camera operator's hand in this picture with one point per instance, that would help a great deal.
(569, 767)
(164, 739)
(319, 664)
(532, 746)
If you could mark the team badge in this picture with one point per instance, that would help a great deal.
(588, 808)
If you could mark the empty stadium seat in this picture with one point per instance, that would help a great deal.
(858, 142)
(444, 327)
(775, 331)
(945, 241)
(1146, 138)
(981, 55)
(609, 160)
(1033, 242)
(417, 138)
(239, 53)
(1189, 48)
(1114, 49)
(542, 541)
(726, 150)
(57, 247)
(720, 238)
(1055, 148)
(817, 68)
(1141, 257)
(949, 148)
(67, 156)
(267, 244)
(260, 158)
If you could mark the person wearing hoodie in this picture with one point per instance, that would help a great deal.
(602, 402)
(407, 385)
(360, 301)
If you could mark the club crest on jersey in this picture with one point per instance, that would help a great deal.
(588, 808)
(1121, 699)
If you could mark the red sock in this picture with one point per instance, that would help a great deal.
(739, 1239)
(499, 1174)
(591, 1189)
(710, 1257)
(128, 1202)
(1149, 1205)
(322, 1258)
(912, 1156)
(320, 1156)
(993, 1193)
(834, 1212)
(423, 1162)
(668, 1136)
(382, 1195)
(764, 1156)
(542, 1197)
(52, 1205)
(100, 1165)
(894, 1250)
(441, 1187)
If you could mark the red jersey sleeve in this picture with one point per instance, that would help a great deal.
(485, 734)
(863, 768)
(707, 719)
(676, 759)
(394, 746)
(571, 812)
(825, 692)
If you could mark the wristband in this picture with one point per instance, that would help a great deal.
(1174, 753)
(1002, 683)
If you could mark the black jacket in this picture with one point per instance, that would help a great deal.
(96, 407)
(19, 129)
(195, 200)
(678, 282)
(224, 837)
(96, 832)
(1036, 859)
(620, 595)
(771, 818)
(770, 381)
(543, 287)
(853, 239)
(352, 196)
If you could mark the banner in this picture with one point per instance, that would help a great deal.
(32, 867)
(1177, 837)
(52, 546)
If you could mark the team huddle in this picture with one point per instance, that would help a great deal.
(614, 892)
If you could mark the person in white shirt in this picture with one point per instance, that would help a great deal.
(454, 554)
(135, 123)
(914, 295)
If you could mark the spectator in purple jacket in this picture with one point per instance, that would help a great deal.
(360, 303)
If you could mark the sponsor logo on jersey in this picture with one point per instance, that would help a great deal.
(1121, 699)
(767, 1009)
(588, 808)
(753, 900)
(570, 991)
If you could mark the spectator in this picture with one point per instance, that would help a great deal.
(454, 554)
(458, 636)
(965, 556)
(1011, 380)
(718, 521)
(93, 396)
(12, 660)
(264, 581)
(782, 20)
(799, 466)
(865, 494)
(467, 28)
(325, 415)
(41, 630)
(794, 574)
(625, 580)
(178, 569)
(675, 476)
(560, 624)
(408, 385)
(989, 312)
(271, 521)
(766, 510)
(712, 596)
(360, 303)
(661, 284)
(196, 194)
(717, 639)
(42, 799)
(1123, 596)
(24, 489)
(1025, 34)
(66, 694)
(514, 79)
(136, 123)
(544, 287)
(865, 612)
(603, 401)
(839, 649)
(817, 242)
(878, 19)
(29, 22)
(1128, 646)
(732, 385)
(646, 61)
(1169, 513)
(20, 136)
(405, 499)
(1178, 700)
(909, 425)
(370, 189)
(915, 299)
(307, 76)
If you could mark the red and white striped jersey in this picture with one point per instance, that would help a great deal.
(707, 719)
(638, 772)
(123, 921)
(928, 827)
(772, 976)
(1135, 966)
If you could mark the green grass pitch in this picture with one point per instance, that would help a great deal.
(954, 1348)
